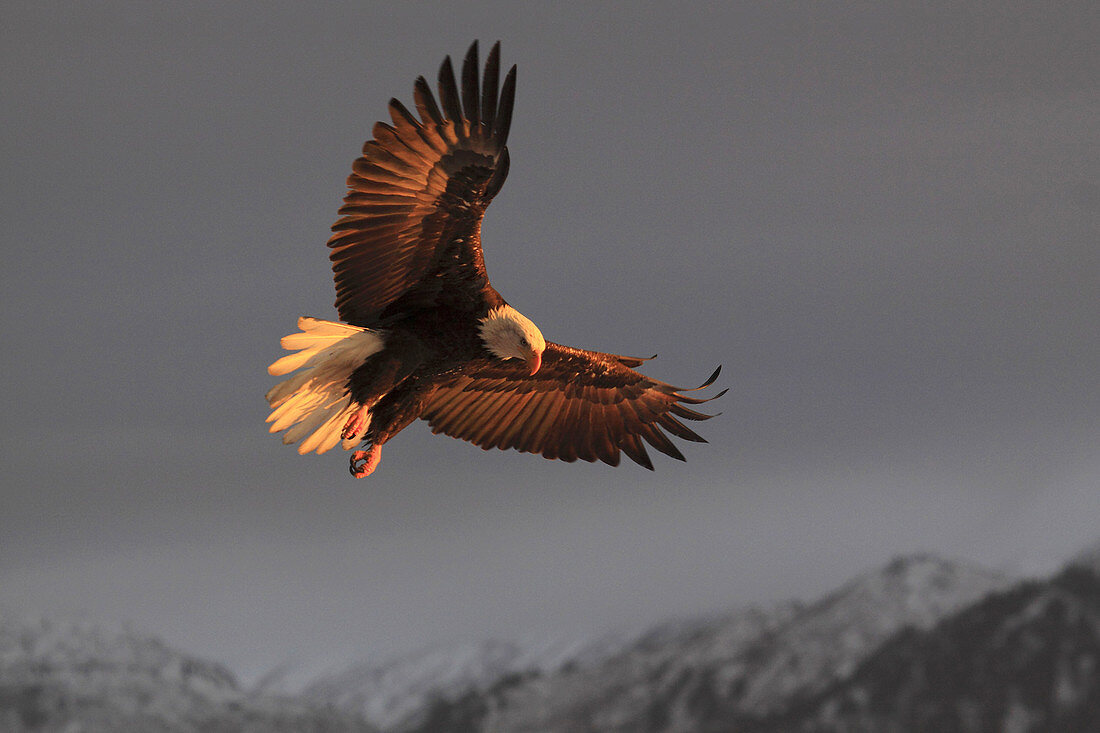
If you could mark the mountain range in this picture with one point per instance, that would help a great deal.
(74, 676)
(731, 670)
(920, 643)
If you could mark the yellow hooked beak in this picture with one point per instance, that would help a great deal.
(534, 362)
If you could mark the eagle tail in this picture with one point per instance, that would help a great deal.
(313, 405)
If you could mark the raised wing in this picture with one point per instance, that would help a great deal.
(580, 404)
(420, 187)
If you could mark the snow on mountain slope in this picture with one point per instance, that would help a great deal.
(745, 668)
(624, 691)
(78, 676)
(737, 667)
(1088, 558)
(832, 636)
(396, 693)
(1024, 659)
(389, 692)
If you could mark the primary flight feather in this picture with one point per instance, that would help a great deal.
(426, 336)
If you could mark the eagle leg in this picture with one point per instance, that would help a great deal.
(356, 423)
(363, 462)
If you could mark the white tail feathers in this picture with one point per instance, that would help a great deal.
(314, 404)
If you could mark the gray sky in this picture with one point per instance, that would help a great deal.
(883, 221)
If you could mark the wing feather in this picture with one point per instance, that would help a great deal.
(633, 447)
(448, 95)
(471, 101)
(489, 85)
(425, 103)
(503, 122)
(419, 191)
(581, 404)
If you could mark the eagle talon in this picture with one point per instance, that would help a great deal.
(363, 462)
(355, 424)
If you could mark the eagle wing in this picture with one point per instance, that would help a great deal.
(421, 185)
(580, 404)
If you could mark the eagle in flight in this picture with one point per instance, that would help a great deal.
(424, 334)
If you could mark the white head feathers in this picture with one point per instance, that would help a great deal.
(509, 334)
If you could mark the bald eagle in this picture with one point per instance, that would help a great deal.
(424, 334)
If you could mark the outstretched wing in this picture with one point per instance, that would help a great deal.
(420, 186)
(580, 404)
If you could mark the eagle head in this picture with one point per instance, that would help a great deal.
(509, 334)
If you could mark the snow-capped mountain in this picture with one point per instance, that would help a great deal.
(827, 640)
(78, 676)
(920, 643)
(1087, 558)
(391, 692)
(1025, 659)
(397, 693)
(744, 666)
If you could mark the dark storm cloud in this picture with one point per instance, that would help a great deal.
(881, 219)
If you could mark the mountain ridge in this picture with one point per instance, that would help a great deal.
(1025, 658)
(752, 663)
(866, 656)
(75, 675)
